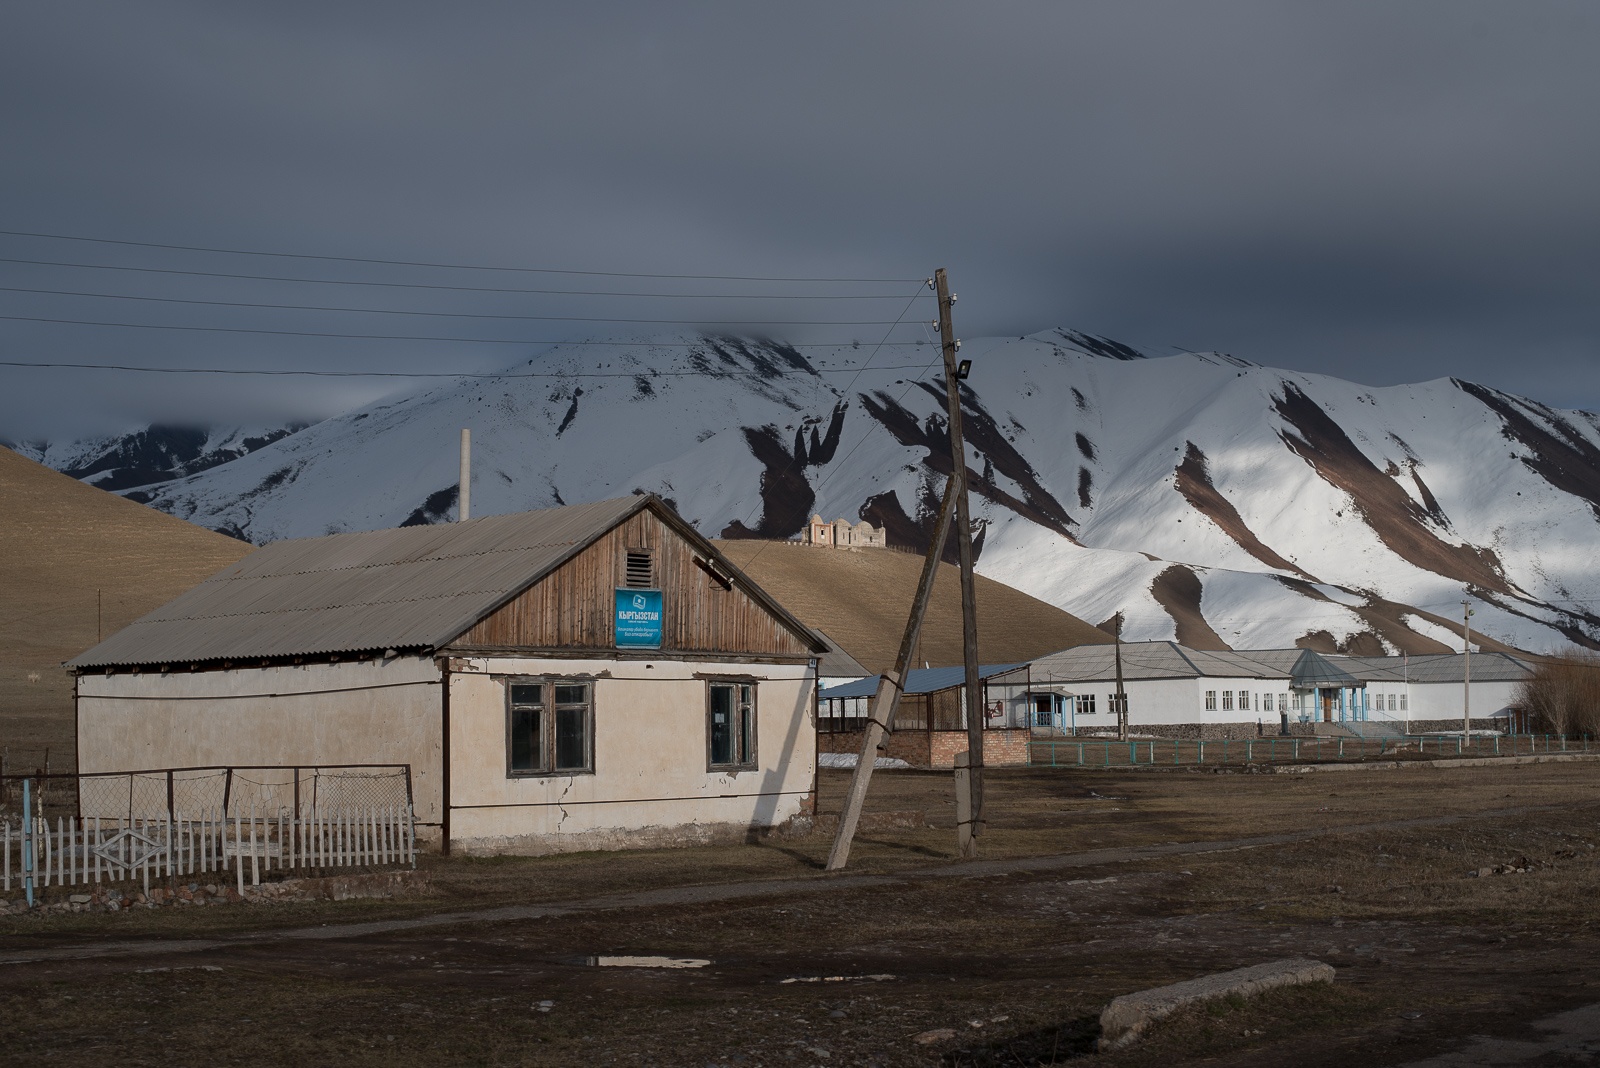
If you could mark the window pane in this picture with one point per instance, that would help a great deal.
(525, 695)
(572, 694)
(526, 748)
(722, 724)
(572, 744)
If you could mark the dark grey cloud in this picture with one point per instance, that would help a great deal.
(1385, 192)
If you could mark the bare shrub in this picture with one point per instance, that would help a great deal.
(1563, 694)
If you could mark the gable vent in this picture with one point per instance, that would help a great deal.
(639, 574)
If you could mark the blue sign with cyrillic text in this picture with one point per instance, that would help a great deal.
(638, 619)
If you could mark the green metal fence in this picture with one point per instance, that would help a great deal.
(1181, 752)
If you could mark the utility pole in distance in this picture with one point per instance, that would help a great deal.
(971, 784)
(1466, 670)
(464, 494)
(1122, 695)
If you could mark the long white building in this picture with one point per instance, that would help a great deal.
(1177, 691)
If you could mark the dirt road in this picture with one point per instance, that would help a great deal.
(914, 961)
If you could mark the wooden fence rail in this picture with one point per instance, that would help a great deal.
(90, 851)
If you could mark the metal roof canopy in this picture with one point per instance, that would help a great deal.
(1313, 671)
(918, 681)
(408, 588)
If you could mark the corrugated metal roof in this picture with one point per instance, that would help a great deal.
(1149, 660)
(919, 680)
(836, 663)
(1444, 667)
(407, 588)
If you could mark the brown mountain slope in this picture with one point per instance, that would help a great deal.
(861, 599)
(64, 546)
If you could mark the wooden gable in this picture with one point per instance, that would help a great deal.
(572, 607)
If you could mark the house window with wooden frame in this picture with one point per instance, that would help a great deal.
(549, 727)
(1227, 700)
(731, 724)
(1211, 700)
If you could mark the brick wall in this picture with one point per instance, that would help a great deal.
(937, 749)
(910, 746)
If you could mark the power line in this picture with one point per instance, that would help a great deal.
(449, 266)
(451, 289)
(396, 337)
(643, 373)
(442, 314)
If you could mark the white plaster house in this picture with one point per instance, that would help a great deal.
(585, 677)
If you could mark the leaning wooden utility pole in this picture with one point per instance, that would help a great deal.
(970, 783)
(880, 715)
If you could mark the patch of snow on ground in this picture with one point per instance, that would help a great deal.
(848, 761)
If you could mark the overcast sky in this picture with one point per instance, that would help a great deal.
(1386, 192)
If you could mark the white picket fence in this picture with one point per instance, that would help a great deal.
(92, 851)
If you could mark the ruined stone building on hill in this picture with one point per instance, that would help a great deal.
(843, 534)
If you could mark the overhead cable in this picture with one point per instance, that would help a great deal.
(448, 266)
(443, 314)
(643, 373)
(403, 337)
(449, 289)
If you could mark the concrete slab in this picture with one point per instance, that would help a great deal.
(1127, 1017)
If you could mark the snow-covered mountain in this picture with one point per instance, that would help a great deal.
(1204, 497)
(153, 454)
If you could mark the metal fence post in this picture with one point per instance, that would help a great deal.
(27, 840)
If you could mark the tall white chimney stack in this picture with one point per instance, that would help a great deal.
(465, 497)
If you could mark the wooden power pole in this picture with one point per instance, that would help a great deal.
(1466, 670)
(1122, 694)
(970, 783)
(880, 716)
